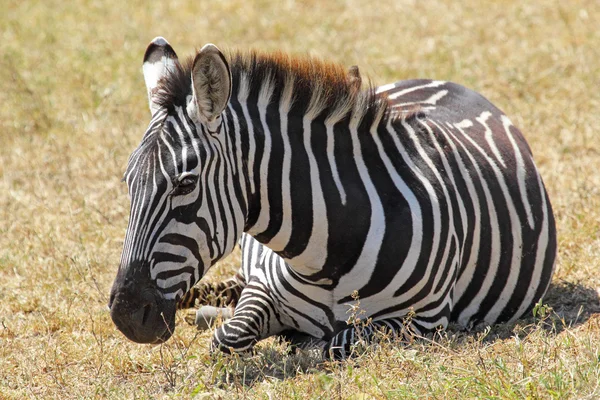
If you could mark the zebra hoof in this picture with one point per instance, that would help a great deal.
(206, 316)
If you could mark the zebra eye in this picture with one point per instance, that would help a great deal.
(185, 184)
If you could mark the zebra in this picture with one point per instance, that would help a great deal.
(420, 198)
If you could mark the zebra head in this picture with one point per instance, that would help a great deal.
(180, 187)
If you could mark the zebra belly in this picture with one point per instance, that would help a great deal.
(319, 311)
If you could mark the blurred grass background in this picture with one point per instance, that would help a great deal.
(73, 106)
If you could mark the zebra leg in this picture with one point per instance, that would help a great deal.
(343, 343)
(255, 318)
(206, 316)
(218, 294)
(212, 300)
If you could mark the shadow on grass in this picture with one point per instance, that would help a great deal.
(570, 305)
(573, 303)
(267, 362)
(566, 305)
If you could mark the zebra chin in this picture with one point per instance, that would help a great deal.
(140, 311)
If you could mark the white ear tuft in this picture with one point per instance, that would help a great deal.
(159, 60)
(211, 85)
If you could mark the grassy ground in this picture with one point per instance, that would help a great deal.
(73, 106)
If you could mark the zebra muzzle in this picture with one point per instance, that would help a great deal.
(140, 311)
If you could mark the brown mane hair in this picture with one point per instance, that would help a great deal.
(308, 75)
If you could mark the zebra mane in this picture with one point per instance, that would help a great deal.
(317, 85)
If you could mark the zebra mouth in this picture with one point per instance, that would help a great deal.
(143, 316)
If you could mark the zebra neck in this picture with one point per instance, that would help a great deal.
(286, 205)
(287, 146)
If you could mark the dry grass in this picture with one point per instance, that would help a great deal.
(72, 107)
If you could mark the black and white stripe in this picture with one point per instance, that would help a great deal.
(419, 195)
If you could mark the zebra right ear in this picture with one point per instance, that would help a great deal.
(211, 86)
(159, 60)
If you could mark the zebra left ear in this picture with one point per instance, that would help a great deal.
(159, 60)
(211, 86)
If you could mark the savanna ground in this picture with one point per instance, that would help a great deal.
(73, 106)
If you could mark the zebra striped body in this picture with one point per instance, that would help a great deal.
(421, 196)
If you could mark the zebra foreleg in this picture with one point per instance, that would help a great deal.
(218, 294)
(344, 343)
(213, 300)
(255, 318)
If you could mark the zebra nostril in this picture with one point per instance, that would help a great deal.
(142, 314)
(147, 310)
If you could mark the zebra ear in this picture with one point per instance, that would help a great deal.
(159, 60)
(211, 85)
